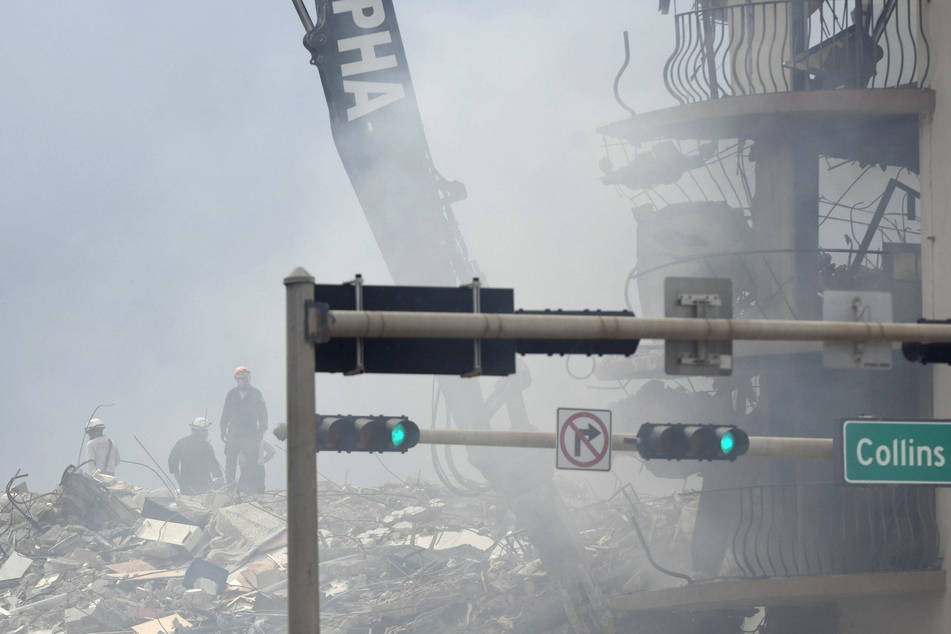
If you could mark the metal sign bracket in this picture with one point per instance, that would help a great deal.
(357, 282)
(862, 307)
(701, 302)
(476, 370)
(698, 298)
(316, 318)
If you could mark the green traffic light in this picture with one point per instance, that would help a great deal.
(398, 435)
(727, 443)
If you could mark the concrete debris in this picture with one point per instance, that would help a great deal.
(199, 570)
(173, 623)
(238, 531)
(414, 558)
(183, 535)
(181, 511)
(103, 556)
(13, 569)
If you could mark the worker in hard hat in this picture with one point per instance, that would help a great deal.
(243, 423)
(102, 453)
(192, 461)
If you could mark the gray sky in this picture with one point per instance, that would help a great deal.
(163, 167)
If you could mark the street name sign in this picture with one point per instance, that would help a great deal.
(895, 452)
(583, 440)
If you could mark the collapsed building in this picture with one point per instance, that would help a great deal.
(791, 167)
(99, 555)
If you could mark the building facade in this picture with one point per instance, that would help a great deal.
(809, 152)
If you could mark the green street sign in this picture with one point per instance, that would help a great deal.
(896, 452)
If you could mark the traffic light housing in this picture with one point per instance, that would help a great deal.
(421, 355)
(925, 353)
(588, 347)
(415, 355)
(366, 433)
(680, 441)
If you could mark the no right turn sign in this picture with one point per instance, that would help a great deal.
(584, 439)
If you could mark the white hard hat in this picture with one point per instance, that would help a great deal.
(95, 423)
(200, 423)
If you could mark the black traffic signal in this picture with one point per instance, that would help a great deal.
(419, 355)
(366, 433)
(926, 353)
(588, 347)
(679, 441)
(412, 355)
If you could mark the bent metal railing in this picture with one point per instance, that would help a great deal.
(816, 529)
(736, 48)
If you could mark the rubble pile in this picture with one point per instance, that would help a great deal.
(98, 555)
(409, 558)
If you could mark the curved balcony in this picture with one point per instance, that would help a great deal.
(730, 48)
(806, 529)
(796, 544)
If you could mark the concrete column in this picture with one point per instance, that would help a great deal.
(302, 578)
(786, 216)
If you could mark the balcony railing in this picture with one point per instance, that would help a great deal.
(810, 530)
(732, 48)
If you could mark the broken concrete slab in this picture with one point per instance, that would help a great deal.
(180, 511)
(13, 569)
(91, 504)
(183, 535)
(200, 569)
(260, 574)
(197, 598)
(239, 531)
(44, 604)
(450, 539)
(164, 625)
(79, 619)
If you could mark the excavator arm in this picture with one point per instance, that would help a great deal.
(378, 132)
(377, 129)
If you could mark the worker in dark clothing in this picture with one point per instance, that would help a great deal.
(243, 423)
(253, 476)
(193, 462)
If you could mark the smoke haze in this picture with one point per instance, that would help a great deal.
(162, 170)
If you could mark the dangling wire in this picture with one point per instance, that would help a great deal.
(166, 480)
(617, 80)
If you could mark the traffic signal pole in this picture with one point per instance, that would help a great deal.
(310, 323)
(303, 588)
(412, 325)
(762, 446)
